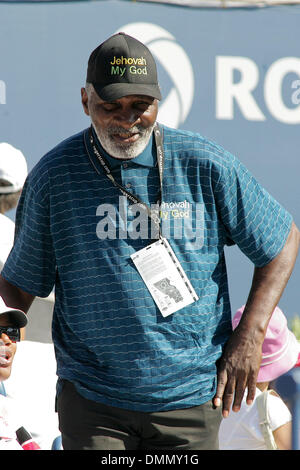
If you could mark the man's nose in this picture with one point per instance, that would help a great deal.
(128, 117)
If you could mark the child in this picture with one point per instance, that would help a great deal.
(13, 172)
(12, 435)
(242, 430)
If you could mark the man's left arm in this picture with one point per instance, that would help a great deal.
(239, 365)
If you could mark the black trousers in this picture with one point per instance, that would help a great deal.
(88, 425)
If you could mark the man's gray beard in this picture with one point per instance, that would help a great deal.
(119, 150)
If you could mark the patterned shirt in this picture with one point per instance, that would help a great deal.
(75, 231)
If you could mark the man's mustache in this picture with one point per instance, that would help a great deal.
(120, 130)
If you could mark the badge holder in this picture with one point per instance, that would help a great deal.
(164, 277)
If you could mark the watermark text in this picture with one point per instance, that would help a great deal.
(179, 220)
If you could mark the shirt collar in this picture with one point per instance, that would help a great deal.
(147, 158)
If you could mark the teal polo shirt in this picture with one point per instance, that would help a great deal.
(74, 233)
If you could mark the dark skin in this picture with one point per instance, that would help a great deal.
(8, 348)
(239, 365)
(125, 113)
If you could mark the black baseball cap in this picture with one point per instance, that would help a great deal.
(15, 316)
(122, 66)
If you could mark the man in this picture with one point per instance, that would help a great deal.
(13, 172)
(142, 313)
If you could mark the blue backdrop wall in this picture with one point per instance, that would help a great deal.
(232, 75)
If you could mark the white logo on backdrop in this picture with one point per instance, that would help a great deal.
(229, 92)
(174, 107)
(2, 92)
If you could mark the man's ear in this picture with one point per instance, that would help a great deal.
(84, 101)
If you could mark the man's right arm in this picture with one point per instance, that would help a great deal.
(15, 297)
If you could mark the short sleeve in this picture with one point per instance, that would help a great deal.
(31, 264)
(252, 218)
(278, 412)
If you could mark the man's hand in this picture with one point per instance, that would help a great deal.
(237, 370)
(239, 365)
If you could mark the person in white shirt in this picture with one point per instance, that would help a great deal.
(246, 430)
(13, 435)
(13, 172)
(30, 389)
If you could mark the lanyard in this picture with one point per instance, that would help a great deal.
(131, 197)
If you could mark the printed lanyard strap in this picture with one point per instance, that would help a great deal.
(131, 197)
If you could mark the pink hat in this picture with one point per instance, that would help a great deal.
(280, 350)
